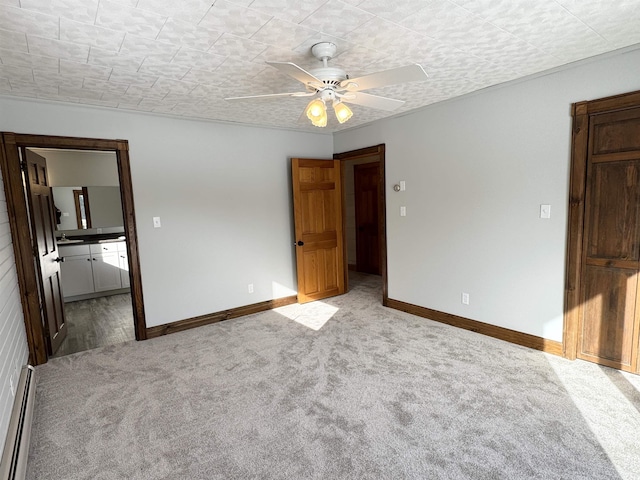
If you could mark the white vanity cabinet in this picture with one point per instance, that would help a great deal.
(76, 270)
(94, 268)
(124, 264)
(106, 266)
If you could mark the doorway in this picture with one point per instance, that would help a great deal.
(602, 306)
(94, 268)
(372, 218)
(29, 278)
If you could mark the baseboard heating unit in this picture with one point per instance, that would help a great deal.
(16, 449)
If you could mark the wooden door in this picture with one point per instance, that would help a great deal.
(367, 193)
(317, 206)
(43, 226)
(608, 330)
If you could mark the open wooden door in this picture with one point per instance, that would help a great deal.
(367, 194)
(43, 224)
(317, 206)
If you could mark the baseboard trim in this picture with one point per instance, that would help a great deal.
(209, 318)
(512, 336)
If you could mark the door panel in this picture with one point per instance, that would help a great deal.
(317, 199)
(615, 211)
(367, 193)
(43, 223)
(615, 133)
(608, 329)
(609, 311)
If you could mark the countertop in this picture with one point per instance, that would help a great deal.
(90, 239)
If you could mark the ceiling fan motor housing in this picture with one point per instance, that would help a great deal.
(330, 75)
(324, 50)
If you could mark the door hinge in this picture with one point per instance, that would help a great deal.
(23, 165)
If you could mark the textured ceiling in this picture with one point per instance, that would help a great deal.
(184, 57)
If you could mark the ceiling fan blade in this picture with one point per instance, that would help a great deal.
(297, 72)
(371, 101)
(273, 95)
(409, 73)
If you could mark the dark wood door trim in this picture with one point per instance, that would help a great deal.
(379, 151)
(581, 113)
(10, 143)
(84, 191)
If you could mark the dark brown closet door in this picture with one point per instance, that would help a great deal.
(608, 331)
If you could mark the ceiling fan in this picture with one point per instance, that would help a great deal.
(330, 84)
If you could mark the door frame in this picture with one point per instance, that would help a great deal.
(10, 145)
(379, 151)
(581, 113)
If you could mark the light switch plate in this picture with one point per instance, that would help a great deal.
(403, 185)
(545, 211)
(403, 211)
(156, 222)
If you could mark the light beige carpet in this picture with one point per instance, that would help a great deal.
(343, 389)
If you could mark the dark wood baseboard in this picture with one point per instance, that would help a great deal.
(512, 336)
(219, 316)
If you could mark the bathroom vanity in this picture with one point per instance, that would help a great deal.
(93, 268)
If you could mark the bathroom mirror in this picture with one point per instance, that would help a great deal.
(86, 207)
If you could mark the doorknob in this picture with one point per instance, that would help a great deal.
(300, 243)
(59, 259)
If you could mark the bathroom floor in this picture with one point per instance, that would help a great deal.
(96, 323)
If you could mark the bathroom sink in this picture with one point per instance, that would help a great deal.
(119, 239)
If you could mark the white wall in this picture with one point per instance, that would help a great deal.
(64, 200)
(105, 206)
(68, 168)
(13, 341)
(477, 169)
(222, 193)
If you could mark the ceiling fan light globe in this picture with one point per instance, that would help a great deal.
(343, 113)
(316, 109)
(320, 121)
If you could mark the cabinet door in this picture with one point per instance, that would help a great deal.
(77, 275)
(124, 269)
(106, 271)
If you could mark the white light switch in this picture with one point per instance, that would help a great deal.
(403, 185)
(545, 211)
(403, 211)
(65, 214)
(156, 222)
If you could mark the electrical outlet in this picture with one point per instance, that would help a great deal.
(250, 288)
(465, 298)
